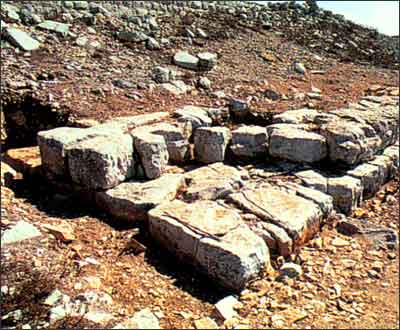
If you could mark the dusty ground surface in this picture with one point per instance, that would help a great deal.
(336, 290)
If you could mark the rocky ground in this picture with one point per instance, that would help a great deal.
(113, 270)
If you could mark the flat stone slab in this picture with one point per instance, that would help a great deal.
(297, 145)
(299, 217)
(22, 39)
(130, 122)
(21, 231)
(313, 179)
(132, 200)
(210, 144)
(250, 142)
(102, 162)
(211, 237)
(58, 27)
(212, 182)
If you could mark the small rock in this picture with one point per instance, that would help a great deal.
(225, 307)
(21, 231)
(207, 61)
(22, 39)
(339, 242)
(152, 44)
(300, 68)
(63, 231)
(205, 323)
(144, 319)
(291, 270)
(205, 83)
(186, 61)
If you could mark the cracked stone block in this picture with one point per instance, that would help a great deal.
(299, 217)
(297, 145)
(371, 177)
(211, 237)
(132, 200)
(101, 162)
(346, 192)
(153, 153)
(313, 179)
(250, 142)
(210, 144)
(350, 142)
(212, 182)
(54, 143)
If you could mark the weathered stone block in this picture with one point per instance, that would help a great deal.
(250, 142)
(132, 200)
(101, 162)
(371, 177)
(346, 192)
(211, 143)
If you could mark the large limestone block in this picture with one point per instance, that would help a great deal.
(132, 200)
(210, 144)
(250, 142)
(101, 162)
(299, 217)
(53, 145)
(130, 122)
(297, 145)
(276, 238)
(372, 178)
(386, 166)
(350, 142)
(299, 116)
(346, 192)
(153, 153)
(211, 237)
(212, 182)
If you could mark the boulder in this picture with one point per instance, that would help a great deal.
(346, 192)
(101, 162)
(153, 153)
(297, 145)
(133, 199)
(211, 237)
(186, 61)
(211, 143)
(250, 142)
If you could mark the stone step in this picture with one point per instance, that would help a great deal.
(213, 238)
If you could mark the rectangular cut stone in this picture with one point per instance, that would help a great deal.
(211, 237)
(297, 145)
(101, 162)
(210, 144)
(153, 153)
(299, 217)
(250, 142)
(53, 145)
(212, 182)
(61, 28)
(197, 116)
(372, 178)
(346, 192)
(132, 200)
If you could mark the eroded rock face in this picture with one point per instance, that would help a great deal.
(133, 199)
(250, 142)
(212, 237)
(153, 153)
(210, 144)
(101, 162)
(297, 145)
